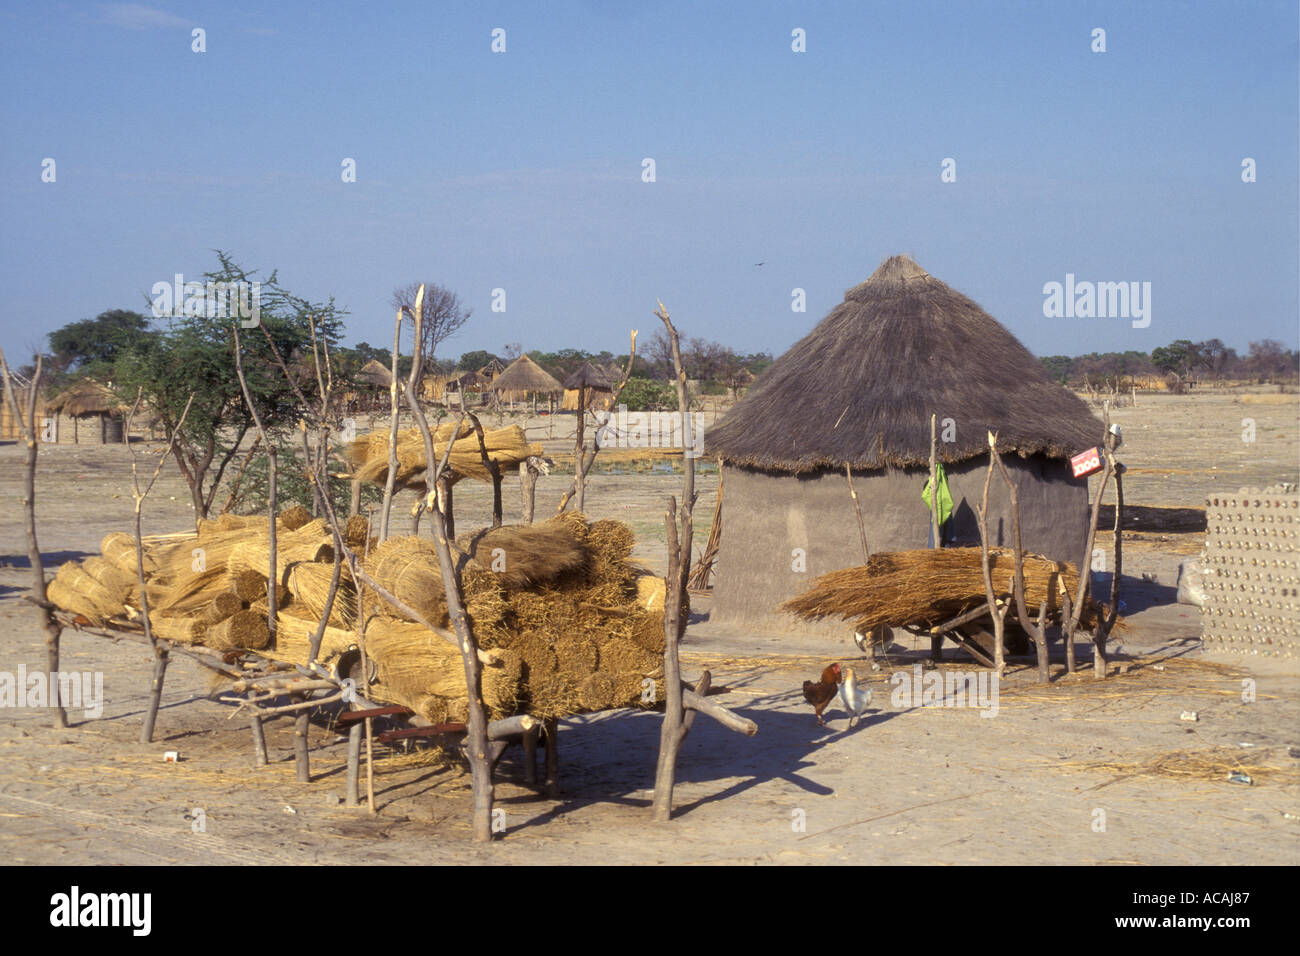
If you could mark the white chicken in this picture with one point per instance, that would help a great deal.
(856, 699)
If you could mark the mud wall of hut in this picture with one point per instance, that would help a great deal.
(767, 516)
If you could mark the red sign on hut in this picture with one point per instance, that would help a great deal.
(1086, 462)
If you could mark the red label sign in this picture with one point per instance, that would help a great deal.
(1086, 462)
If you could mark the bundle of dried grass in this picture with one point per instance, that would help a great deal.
(527, 555)
(414, 664)
(311, 542)
(76, 592)
(408, 568)
(927, 587)
(243, 630)
(223, 606)
(507, 447)
(120, 584)
(294, 631)
(118, 549)
(309, 583)
(180, 630)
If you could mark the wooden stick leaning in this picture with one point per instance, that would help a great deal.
(24, 413)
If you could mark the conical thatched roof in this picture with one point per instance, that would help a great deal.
(372, 373)
(859, 388)
(87, 397)
(525, 375)
(588, 377)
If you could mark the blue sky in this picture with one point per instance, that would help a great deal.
(522, 170)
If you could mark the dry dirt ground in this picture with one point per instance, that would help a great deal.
(907, 784)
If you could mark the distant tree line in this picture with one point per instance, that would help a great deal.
(1179, 363)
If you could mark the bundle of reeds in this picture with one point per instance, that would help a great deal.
(507, 447)
(527, 555)
(927, 587)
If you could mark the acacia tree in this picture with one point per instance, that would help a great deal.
(443, 314)
(194, 354)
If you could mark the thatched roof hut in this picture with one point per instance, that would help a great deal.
(525, 377)
(858, 392)
(375, 374)
(599, 392)
(88, 399)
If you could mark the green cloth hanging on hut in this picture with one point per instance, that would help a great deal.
(945, 496)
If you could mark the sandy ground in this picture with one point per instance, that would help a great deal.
(907, 784)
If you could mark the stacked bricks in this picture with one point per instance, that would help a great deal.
(1252, 572)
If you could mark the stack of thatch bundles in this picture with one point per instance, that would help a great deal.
(211, 587)
(556, 602)
(572, 624)
(507, 447)
(927, 587)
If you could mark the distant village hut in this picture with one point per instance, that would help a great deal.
(589, 386)
(524, 379)
(858, 392)
(88, 413)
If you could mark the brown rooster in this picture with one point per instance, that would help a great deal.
(823, 692)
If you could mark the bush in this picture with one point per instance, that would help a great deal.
(647, 395)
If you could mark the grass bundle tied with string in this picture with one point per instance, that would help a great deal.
(308, 583)
(243, 630)
(927, 587)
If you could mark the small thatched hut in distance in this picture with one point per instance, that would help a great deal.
(858, 391)
(88, 412)
(597, 391)
(523, 378)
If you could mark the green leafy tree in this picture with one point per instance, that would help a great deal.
(648, 395)
(93, 346)
(194, 354)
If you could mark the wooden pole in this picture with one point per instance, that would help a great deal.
(476, 740)
(1070, 625)
(579, 450)
(857, 509)
(1107, 620)
(393, 386)
(998, 614)
(679, 562)
(1037, 631)
(259, 741)
(584, 464)
(354, 762)
(934, 486)
(160, 649)
(528, 489)
(23, 412)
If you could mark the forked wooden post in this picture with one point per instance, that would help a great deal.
(1071, 624)
(678, 524)
(996, 612)
(24, 414)
(161, 649)
(1038, 631)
